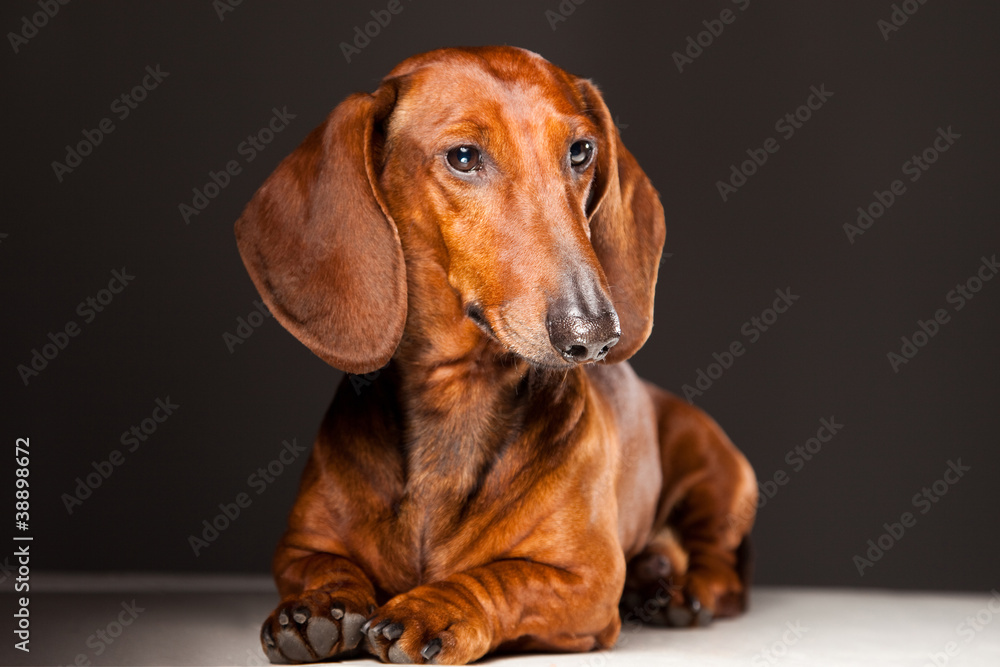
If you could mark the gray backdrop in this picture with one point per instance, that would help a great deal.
(764, 133)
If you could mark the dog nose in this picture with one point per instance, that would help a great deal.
(580, 339)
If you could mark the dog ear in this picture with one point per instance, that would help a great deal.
(320, 245)
(627, 230)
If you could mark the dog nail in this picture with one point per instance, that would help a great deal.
(432, 648)
(375, 630)
(393, 631)
(301, 615)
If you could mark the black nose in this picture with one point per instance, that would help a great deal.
(580, 339)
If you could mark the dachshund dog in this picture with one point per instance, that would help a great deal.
(475, 238)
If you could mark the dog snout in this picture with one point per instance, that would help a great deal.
(581, 334)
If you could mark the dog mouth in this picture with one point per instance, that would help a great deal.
(510, 340)
(475, 313)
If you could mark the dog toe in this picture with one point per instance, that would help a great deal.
(398, 656)
(351, 626)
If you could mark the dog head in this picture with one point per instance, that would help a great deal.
(511, 174)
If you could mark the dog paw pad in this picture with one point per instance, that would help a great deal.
(291, 646)
(322, 634)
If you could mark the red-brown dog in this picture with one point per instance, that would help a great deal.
(477, 225)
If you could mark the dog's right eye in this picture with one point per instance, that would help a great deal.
(464, 158)
(580, 154)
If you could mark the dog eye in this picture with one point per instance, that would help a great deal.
(580, 154)
(464, 158)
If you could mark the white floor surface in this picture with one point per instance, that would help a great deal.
(166, 620)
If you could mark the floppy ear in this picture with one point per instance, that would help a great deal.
(626, 229)
(320, 245)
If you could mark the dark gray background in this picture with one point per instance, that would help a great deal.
(825, 357)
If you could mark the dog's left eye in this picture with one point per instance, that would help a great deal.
(580, 154)
(464, 158)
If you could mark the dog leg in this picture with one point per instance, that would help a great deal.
(706, 512)
(511, 604)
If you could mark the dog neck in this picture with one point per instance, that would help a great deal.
(463, 396)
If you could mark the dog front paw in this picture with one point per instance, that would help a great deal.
(313, 626)
(412, 629)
